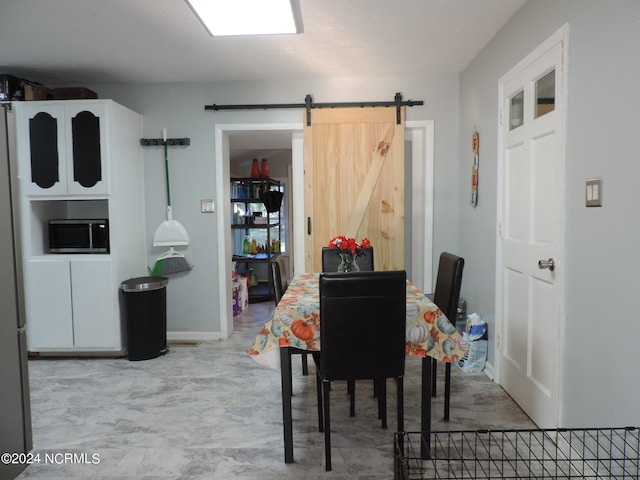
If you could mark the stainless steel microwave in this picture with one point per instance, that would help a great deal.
(79, 236)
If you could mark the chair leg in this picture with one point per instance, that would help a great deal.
(305, 364)
(327, 427)
(400, 402)
(434, 368)
(382, 401)
(320, 394)
(447, 389)
(351, 391)
(290, 377)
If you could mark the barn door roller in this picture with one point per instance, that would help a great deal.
(309, 104)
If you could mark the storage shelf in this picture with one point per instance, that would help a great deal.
(246, 200)
(265, 180)
(246, 191)
(253, 226)
(260, 292)
(254, 258)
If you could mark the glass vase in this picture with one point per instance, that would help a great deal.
(348, 263)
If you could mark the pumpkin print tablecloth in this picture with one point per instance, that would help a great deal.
(296, 323)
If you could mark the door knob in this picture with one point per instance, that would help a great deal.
(550, 264)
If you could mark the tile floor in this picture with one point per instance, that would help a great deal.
(211, 412)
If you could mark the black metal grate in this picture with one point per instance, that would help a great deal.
(601, 453)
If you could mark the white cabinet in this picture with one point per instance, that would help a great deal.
(71, 305)
(62, 148)
(49, 305)
(72, 300)
(94, 297)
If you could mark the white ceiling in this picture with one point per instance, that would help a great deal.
(79, 42)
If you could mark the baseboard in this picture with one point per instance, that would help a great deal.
(490, 371)
(199, 336)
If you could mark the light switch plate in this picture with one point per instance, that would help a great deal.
(207, 206)
(593, 196)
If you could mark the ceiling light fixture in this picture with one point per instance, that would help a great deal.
(248, 17)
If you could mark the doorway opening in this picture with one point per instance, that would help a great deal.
(259, 234)
(284, 143)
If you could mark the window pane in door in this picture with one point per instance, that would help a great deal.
(545, 94)
(516, 110)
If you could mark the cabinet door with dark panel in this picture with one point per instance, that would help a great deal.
(86, 148)
(63, 148)
(45, 161)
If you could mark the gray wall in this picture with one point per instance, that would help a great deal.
(192, 298)
(599, 376)
(600, 383)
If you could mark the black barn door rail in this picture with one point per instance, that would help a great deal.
(309, 104)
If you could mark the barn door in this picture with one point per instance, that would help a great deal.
(354, 182)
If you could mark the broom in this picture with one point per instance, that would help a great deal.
(170, 233)
(169, 262)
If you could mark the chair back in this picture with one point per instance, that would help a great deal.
(331, 260)
(284, 276)
(362, 325)
(448, 283)
(276, 280)
(279, 278)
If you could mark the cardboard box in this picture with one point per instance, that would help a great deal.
(37, 92)
(74, 93)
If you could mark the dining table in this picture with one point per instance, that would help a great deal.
(294, 327)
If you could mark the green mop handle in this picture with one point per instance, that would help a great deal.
(166, 171)
(166, 165)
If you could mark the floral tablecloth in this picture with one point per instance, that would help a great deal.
(296, 323)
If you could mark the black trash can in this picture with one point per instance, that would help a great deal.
(145, 314)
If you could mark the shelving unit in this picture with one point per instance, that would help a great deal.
(246, 201)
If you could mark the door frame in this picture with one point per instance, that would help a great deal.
(421, 134)
(223, 194)
(560, 36)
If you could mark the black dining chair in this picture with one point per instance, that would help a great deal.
(446, 297)
(279, 277)
(330, 262)
(331, 259)
(280, 281)
(362, 336)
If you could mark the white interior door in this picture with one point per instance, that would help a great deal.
(531, 231)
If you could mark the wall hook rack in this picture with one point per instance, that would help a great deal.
(146, 142)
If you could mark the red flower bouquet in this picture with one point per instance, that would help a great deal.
(348, 249)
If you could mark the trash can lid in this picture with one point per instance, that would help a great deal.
(140, 284)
